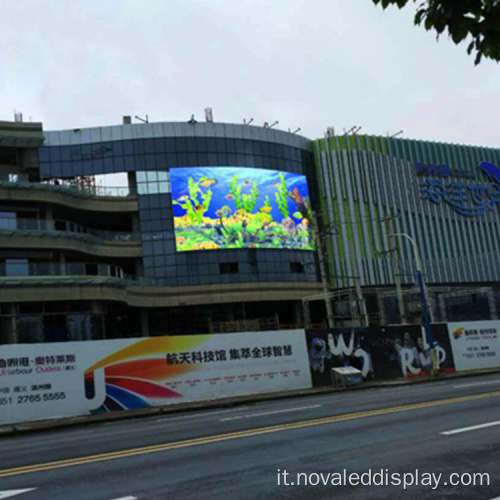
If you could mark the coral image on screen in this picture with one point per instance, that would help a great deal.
(235, 207)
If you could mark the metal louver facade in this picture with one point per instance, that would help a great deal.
(370, 187)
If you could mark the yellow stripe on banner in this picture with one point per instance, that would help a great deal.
(155, 345)
(238, 435)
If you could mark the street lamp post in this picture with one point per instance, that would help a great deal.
(322, 268)
(426, 314)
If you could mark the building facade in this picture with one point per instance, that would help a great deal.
(376, 191)
(209, 228)
(82, 261)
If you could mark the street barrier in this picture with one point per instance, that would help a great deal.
(379, 352)
(42, 381)
(475, 344)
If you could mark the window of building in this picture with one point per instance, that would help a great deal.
(7, 220)
(17, 267)
(296, 267)
(152, 182)
(228, 268)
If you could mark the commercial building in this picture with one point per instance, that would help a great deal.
(81, 261)
(211, 229)
(374, 192)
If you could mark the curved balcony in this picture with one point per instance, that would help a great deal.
(20, 268)
(66, 235)
(146, 292)
(68, 193)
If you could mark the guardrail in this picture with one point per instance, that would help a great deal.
(61, 226)
(23, 268)
(66, 186)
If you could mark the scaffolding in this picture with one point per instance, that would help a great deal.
(350, 310)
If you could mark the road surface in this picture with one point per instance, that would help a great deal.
(445, 427)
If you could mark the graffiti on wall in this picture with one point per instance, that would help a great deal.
(403, 351)
(337, 348)
(380, 352)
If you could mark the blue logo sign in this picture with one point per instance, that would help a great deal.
(468, 199)
(445, 171)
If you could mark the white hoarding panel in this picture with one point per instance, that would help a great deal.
(40, 381)
(475, 344)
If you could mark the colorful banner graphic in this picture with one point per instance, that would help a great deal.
(237, 207)
(475, 344)
(41, 381)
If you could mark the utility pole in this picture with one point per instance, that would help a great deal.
(426, 310)
(322, 270)
(396, 271)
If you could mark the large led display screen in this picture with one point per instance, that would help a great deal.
(234, 207)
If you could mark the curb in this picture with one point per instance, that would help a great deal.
(80, 421)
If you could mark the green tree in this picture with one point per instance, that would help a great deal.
(474, 21)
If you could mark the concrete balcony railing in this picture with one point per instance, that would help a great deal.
(20, 268)
(18, 225)
(66, 186)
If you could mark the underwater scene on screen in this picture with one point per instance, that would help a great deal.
(239, 207)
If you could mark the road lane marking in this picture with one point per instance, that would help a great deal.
(490, 382)
(471, 428)
(91, 459)
(276, 412)
(126, 498)
(13, 493)
(208, 414)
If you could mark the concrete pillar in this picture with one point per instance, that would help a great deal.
(132, 183)
(381, 309)
(297, 314)
(8, 324)
(62, 264)
(138, 268)
(442, 308)
(144, 323)
(98, 326)
(492, 304)
(135, 223)
(49, 212)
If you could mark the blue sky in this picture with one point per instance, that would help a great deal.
(306, 63)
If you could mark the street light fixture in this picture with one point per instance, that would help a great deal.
(426, 314)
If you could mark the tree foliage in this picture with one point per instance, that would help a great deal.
(476, 22)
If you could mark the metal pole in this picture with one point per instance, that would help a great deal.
(426, 316)
(322, 270)
(397, 279)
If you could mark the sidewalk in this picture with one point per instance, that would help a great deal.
(65, 422)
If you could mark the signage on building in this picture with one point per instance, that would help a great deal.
(444, 171)
(475, 345)
(470, 199)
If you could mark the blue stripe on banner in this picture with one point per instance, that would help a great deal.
(126, 398)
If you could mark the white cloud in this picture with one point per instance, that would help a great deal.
(307, 63)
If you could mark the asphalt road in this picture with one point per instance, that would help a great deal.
(235, 453)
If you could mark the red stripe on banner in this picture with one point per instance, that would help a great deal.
(143, 387)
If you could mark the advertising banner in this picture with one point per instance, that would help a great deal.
(41, 381)
(475, 344)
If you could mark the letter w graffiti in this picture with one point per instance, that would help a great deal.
(338, 347)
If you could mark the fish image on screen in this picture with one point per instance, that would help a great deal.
(239, 207)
